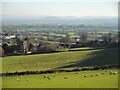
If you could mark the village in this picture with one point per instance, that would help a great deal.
(17, 42)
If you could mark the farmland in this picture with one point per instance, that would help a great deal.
(59, 45)
(71, 59)
(58, 80)
(75, 58)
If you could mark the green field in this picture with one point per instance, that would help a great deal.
(58, 80)
(76, 58)
(69, 60)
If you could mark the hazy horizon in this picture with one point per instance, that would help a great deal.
(59, 9)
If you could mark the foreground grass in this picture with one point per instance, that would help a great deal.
(71, 59)
(58, 81)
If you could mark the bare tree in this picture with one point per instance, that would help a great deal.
(83, 37)
(66, 40)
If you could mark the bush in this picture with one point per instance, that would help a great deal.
(47, 47)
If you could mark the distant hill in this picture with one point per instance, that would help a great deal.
(65, 19)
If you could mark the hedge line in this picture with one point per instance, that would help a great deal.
(60, 70)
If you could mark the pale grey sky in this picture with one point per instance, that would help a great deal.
(76, 8)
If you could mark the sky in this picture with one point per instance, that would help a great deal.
(76, 8)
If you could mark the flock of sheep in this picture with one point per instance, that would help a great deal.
(110, 72)
(65, 77)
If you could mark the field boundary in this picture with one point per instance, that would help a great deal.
(60, 70)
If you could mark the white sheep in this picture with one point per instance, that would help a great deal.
(18, 79)
(49, 78)
(110, 72)
(114, 72)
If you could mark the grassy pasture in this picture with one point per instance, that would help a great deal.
(82, 48)
(76, 58)
(79, 57)
(58, 80)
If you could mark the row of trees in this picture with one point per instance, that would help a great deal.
(84, 39)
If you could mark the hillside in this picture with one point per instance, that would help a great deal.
(68, 60)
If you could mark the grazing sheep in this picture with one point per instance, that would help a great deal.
(49, 78)
(18, 79)
(96, 75)
(27, 80)
(114, 72)
(85, 76)
(105, 70)
(91, 75)
(102, 72)
(76, 72)
(110, 72)
(44, 77)
(65, 77)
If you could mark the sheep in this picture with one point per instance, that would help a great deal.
(105, 70)
(76, 72)
(65, 77)
(91, 75)
(18, 79)
(27, 80)
(44, 77)
(102, 72)
(85, 76)
(114, 72)
(96, 75)
(49, 78)
(110, 72)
